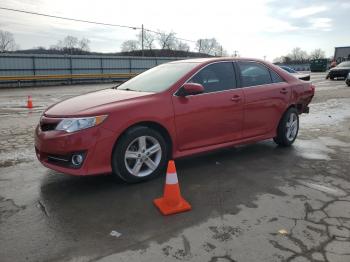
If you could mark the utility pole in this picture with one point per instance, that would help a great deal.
(236, 52)
(142, 40)
(200, 46)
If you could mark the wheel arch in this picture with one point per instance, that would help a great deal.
(155, 126)
(284, 112)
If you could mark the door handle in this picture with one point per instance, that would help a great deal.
(236, 98)
(284, 91)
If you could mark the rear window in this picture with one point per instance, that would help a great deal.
(275, 77)
(253, 74)
(288, 69)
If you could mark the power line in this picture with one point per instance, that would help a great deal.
(88, 21)
(67, 18)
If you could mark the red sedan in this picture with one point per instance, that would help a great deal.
(170, 111)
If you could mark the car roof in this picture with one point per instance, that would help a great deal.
(215, 59)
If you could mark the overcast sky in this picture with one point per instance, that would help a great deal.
(256, 28)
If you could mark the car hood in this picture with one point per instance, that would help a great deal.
(92, 103)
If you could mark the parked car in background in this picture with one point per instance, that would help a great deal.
(340, 71)
(347, 80)
(171, 111)
(301, 76)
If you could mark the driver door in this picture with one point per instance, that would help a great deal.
(213, 117)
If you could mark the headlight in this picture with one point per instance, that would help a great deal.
(74, 124)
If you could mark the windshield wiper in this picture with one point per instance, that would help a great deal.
(128, 89)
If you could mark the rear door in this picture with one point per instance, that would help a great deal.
(267, 96)
(214, 116)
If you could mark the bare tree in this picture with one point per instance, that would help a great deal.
(148, 39)
(181, 46)
(167, 40)
(70, 42)
(317, 54)
(298, 54)
(130, 45)
(7, 42)
(72, 45)
(83, 44)
(210, 46)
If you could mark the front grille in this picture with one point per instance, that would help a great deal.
(48, 127)
(48, 124)
(340, 73)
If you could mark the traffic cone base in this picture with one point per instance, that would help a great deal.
(172, 202)
(166, 209)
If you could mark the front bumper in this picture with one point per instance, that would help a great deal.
(338, 73)
(96, 144)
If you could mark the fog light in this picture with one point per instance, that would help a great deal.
(77, 159)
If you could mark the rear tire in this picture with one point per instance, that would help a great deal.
(140, 154)
(288, 128)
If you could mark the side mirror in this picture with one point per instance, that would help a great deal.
(191, 89)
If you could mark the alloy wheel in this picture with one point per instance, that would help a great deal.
(143, 156)
(292, 127)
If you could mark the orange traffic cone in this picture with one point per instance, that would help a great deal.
(172, 201)
(30, 102)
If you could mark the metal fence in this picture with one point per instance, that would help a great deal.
(24, 69)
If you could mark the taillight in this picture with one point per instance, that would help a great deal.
(312, 88)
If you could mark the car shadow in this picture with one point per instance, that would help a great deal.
(216, 183)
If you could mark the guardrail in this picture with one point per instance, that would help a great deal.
(38, 80)
(41, 69)
(67, 77)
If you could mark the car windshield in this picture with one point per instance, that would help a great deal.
(344, 64)
(158, 78)
(288, 69)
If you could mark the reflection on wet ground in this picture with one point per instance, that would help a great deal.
(255, 202)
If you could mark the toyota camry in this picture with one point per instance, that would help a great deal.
(170, 111)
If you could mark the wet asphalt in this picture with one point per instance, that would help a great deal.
(256, 202)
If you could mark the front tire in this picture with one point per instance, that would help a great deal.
(288, 128)
(140, 154)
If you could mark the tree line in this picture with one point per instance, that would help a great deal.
(150, 41)
(68, 45)
(297, 55)
(160, 41)
(168, 41)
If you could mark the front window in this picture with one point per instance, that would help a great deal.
(158, 78)
(216, 77)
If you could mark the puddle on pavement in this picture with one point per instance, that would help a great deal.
(318, 149)
(324, 188)
(16, 157)
(328, 113)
